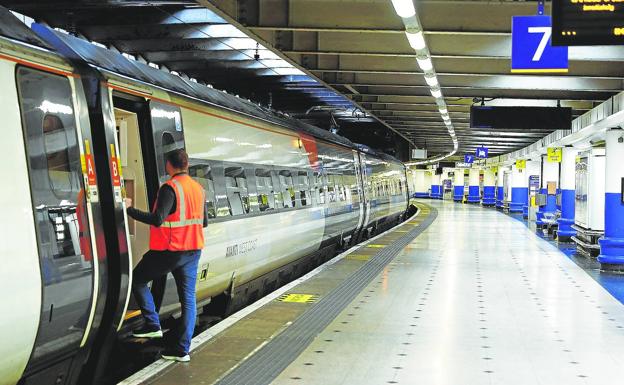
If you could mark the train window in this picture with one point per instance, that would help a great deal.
(202, 174)
(287, 188)
(303, 188)
(266, 193)
(236, 190)
(59, 208)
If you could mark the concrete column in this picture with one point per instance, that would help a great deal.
(427, 183)
(474, 195)
(458, 185)
(567, 185)
(420, 188)
(519, 189)
(489, 183)
(550, 173)
(436, 189)
(532, 168)
(500, 192)
(612, 244)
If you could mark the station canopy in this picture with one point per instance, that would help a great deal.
(346, 65)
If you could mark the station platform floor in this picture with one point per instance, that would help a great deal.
(459, 294)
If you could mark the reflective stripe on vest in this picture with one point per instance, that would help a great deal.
(184, 221)
(183, 229)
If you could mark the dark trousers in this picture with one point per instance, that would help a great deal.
(183, 266)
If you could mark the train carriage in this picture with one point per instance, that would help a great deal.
(86, 127)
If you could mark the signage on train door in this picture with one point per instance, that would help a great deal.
(115, 174)
(531, 46)
(88, 169)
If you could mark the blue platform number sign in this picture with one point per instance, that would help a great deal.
(482, 152)
(469, 159)
(531, 46)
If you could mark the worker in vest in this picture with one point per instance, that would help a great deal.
(176, 240)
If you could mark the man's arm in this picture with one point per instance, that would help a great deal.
(165, 203)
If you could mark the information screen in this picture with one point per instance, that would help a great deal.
(587, 22)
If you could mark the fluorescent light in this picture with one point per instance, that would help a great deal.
(404, 8)
(425, 64)
(443, 111)
(416, 40)
(436, 93)
(432, 81)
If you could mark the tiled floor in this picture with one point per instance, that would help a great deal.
(476, 299)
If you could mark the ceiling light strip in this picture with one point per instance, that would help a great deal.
(416, 38)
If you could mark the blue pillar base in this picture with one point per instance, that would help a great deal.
(565, 231)
(611, 253)
(525, 211)
(488, 196)
(473, 194)
(458, 193)
(421, 195)
(515, 207)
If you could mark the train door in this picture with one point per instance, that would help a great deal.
(360, 184)
(64, 193)
(365, 173)
(146, 132)
(131, 156)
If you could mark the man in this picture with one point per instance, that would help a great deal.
(176, 239)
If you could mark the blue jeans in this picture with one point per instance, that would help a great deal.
(183, 266)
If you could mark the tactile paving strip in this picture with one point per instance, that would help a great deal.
(268, 362)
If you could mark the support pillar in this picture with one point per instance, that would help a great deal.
(474, 195)
(567, 184)
(427, 184)
(519, 189)
(550, 173)
(458, 185)
(488, 187)
(500, 190)
(436, 189)
(420, 188)
(612, 244)
(532, 168)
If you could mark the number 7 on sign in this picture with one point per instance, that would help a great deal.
(547, 32)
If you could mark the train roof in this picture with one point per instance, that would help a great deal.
(383, 156)
(11, 27)
(115, 62)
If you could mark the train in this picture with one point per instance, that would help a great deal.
(84, 127)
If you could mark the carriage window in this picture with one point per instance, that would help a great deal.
(266, 193)
(201, 173)
(319, 188)
(236, 190)
(288, 190)
(303, 188)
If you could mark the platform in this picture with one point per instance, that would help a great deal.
(473, 298)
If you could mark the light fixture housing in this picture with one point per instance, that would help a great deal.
(404, 8)
(424, 63)
(416, 39)
(435, 92)
(432, 80)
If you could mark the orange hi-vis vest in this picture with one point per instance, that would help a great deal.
(182, 230)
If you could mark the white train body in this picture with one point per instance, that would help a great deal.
(79, 137)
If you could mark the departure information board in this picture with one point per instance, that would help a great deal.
(587, 22)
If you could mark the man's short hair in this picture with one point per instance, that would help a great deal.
(178, 158)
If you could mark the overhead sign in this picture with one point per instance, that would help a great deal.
(595, 22)
(482, 152)
(554, 154)
(419, 153)
(462, 165)
(521, 164)
(531, 49)
(469, 159)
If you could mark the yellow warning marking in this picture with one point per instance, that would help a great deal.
(376, 246)
(357, 257)
(298, 298)
(132, 314)
(401, 231)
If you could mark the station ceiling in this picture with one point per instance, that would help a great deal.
(348, 59)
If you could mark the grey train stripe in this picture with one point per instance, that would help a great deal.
(273, 358)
